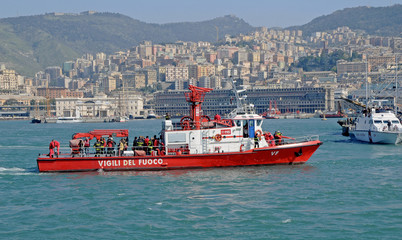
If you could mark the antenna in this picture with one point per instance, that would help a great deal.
(217, 34)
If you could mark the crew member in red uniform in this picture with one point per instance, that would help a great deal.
(87, 144)
(217, 117)
(51, 148)
(156, 142)
(57, 145)
(269, 138)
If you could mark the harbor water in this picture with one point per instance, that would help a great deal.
(347, 190)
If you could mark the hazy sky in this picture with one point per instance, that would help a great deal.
(269, 13)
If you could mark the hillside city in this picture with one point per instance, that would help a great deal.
(281, 69)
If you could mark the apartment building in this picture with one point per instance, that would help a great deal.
(8, 79)
(343, 67)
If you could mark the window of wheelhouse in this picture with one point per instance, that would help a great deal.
(245, 128)
(251, 128)
(259, 122)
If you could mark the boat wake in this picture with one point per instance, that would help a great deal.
(14, 171)
(20, 147)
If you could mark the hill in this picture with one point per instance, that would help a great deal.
(382, 21)
(31, 43)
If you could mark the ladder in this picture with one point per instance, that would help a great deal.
(204, 141)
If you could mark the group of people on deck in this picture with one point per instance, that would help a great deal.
(147, 144)
(107, 147)
(272, 140)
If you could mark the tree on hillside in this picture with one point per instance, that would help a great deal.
(325, 62)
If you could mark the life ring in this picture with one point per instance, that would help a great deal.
(258, 133)
(218, 137)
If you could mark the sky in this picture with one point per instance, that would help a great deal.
(268, 13)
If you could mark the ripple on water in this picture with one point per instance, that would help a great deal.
(346, 190)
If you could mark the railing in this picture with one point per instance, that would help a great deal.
(299, 139)
(224, 123)
(106, 152)
(150, 150)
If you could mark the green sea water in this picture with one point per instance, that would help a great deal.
(347, 190)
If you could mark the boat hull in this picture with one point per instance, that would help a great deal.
(333, 116)
(377, 137)
(72, 120)
(36, 120)
(283, 154)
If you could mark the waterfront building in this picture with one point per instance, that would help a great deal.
(100, 106)
(222, 101)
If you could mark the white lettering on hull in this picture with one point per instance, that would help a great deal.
(130, 162)
(109, 163)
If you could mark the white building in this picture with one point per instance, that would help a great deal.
(99, 107)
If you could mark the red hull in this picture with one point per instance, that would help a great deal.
(333, 116)
(283, 154)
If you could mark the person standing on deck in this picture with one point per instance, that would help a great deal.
(57, 145)
(51, 148)
(87, 144)
(278, 138)
(110, 146)
(135, 143)
(121, 147)
(146, 143)
(103, 145)
(98, 148)
(256, 141)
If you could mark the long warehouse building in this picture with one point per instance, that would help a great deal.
(307, 100)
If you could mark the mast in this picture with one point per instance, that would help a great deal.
(396, 84)
(47, 100)
(239, 102)
(366, 83)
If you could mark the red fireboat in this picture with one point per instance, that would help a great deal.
(195, 142)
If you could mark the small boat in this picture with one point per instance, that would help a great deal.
(272, 113)
(76, 119)
(151, 115)
(121, 119)
(36, 120)
(333, 115)
(376, 126)
(69, 120)
(195, 141)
